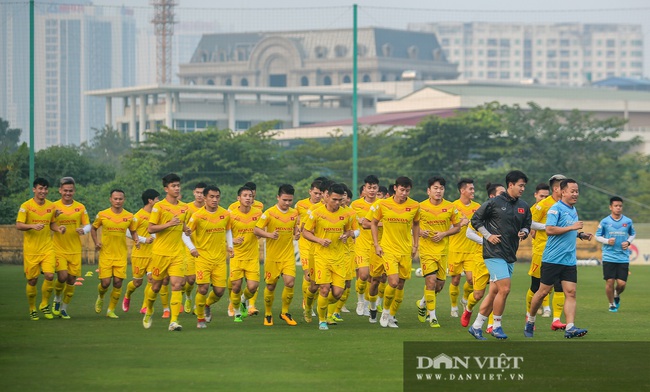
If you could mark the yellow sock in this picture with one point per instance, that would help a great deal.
(269, 296)
(31, 297)
(188, 289)
(558, 304)
(101, 291)
(322, 308)
(287, 297)
(130, 288)
(177, 297)
(381, 289)
(468, 289)
(200, 300)
(360, 286)
(150, 298)
(68, 293)
(529, 299)
(471, 302)
(115, 298)
(309, 300)
(235, 299)
(366, 295)
(371, 298)
(211, 299)
(430, 298)
(454, 292)
(397, 301)
(252, 300)
(144, 300)
(58, 289)
(164, 296)
(491, 319)
(389, 296)
(331, 304)
(341, 302)
(247, 293)
(46, 292)
(546, 301)
(305, 288)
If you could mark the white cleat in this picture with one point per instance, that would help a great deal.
(361, 305)
(392, 324)
(147, 320)
(384, 319)
(454, 312)
(174, 326)
(344, 309)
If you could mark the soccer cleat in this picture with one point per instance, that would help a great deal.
(268, 320)
(56, 309)
(231, 310)
(454, 312)
(99, 304)
(174, 326)
(200, 324)
(143, 310)
(313, 314)
(125, 304)
(208, 314)
(613, 308)
(64, 315)
(33, 315)
(166, 313)
(373, 316)
(361, 305)
(488, 330)
(499, 334)
(47, 312)
(188, 305)
(252, 311)
(111, 314)
(337, 317)
(546, 313)
(557, 324)
(331, 321)
(529, 329)
(383, 320)
(465, 318)
(306, 315)
(463, 302)
(422, 312)
(433, 323)
(477, 333)
(238, 318)
(392, 323)
(617, 302)
(575, 332)
(288, 319)
(243, 310)
(344, 309)
(380, 308)
(147, 320)
(540, 311)
(323, 326)
(394, 319)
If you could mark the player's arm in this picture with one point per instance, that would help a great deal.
(56, 227)
(478, 222)
(157, 228)
(135, 237)
(559, 230)
(473, 235)
(190, 246)
(93, 235)
(416, 237)
(374, 230)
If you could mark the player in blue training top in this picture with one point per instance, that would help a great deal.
(559, 258)
(616, 233)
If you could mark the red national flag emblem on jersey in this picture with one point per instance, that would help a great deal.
(474, 210)
(77, 209)
(624, 224)
(221, 217)
(293, 218)
(124, 220)
(255, 218)
(444, 210)
(408, 209)
(341, 217)
(49, 210)
(520, 210)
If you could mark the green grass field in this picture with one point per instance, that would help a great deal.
(92, 352)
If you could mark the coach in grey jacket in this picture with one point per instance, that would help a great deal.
(503, 221)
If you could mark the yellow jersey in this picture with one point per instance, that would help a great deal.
(141, 220)
(72, 217)
(168, 242)
(539, 211)
(256, 204)
(436, 219)
(243, 225)
(330, 225)
(459, 242)
(37, 242)
(209, 233)
(361, 208)
(303, 207)
(281, 249)
(114, 227)
(397, 237)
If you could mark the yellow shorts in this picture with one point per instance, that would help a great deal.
(140, 266)
(362, 257)
(536, 266)
(249, 269)
(112, 267)
(331, 271)
(459, 262)
(164, 266)
(68, 262)
(377, 268)
(303, 251)
(34, 264)
(274, 269)
(398, 265)
(352, 265)
(211, 272)
(434, 264)
(190, 265)
(480, 275)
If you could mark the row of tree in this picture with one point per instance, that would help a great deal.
(483, 143)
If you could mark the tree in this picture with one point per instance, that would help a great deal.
(107, 146)
(9, 138)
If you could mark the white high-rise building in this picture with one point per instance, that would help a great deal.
(566, 54)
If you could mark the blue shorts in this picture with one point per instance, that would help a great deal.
(499, 269)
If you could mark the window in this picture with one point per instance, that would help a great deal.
(244, 82)
(504, 43)
(320, 52)
(327, 81)
(346, 79)
(386, 50)
(492, 42)
(340, 50)
(366, 78)
(413, 52)
(504, 75)
(362, 50)
(210, 82)
(304, 81)
(492, 53)
(228, 82)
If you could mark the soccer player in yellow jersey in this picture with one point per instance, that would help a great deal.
(167, 221)
(363, 249)
(542, 191)
(246, 261)
(213, 243)
(141, 257)
(114, 221)
(304, 246)
(279, 225)
(36, 219)
(67, 245)
(190, 271)
(400, 216)
(439, 219)
(329, 227)
(539, 243)
(462, 251)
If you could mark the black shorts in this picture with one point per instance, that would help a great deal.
(618, 271)
(553, 273)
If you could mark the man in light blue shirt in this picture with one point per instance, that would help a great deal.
(559, 258)
(616, 233)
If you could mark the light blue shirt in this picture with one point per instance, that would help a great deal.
(561, 249)
(621, 230)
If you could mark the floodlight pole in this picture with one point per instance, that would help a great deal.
(355, 125)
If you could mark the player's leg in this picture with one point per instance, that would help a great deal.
(47, 263)
(61, 269)
(119, 273)
(288, 273)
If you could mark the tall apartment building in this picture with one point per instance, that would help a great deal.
(566, 54)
